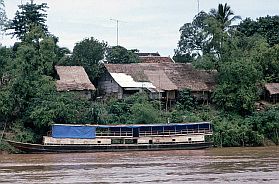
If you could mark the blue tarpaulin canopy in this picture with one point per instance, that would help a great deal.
(73, 131)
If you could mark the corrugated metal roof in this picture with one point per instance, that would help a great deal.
(126, 81)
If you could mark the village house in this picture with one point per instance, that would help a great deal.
(160, 80)
(74, 79)
(272, 92)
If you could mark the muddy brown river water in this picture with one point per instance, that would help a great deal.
(227, 165)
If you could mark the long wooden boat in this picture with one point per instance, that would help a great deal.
(110, 138)
(40, 148)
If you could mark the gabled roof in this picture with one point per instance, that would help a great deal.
(167, 76)
(155, 59)
(73, 78)
(272, 88)
(160, 80)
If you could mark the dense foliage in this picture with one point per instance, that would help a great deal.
(120, 55)
(265, 26)
(3, 16)
(88, 53)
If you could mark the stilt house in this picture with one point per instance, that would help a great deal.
(159, 80)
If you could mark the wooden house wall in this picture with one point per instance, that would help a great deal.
(109, 87)
(271, 98)
(170, 95)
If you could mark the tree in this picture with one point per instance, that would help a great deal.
(3, 16)
(205, 35)
(28, 16)
(119, 54)
(88, 53)
(265, 26)
(186, 101)
(266, 123)
(237, 88)
(6, 56)
(268, 60)
(224, 15)
(194, 39)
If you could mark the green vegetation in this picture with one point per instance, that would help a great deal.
(28, 15)
(244, 56)
(88, 53)
(3, 16)
(119, 54)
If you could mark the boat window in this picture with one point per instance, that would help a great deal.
(189, 139)
(98, 142)
(129, 141)
(150, 142)
(173, 140)
(117, 141)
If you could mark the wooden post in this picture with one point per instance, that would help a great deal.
(221, 139)
(3, 131)
(276, 130)
(167, 95)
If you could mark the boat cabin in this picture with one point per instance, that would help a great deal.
(128, 134)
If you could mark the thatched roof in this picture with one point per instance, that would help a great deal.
(155, 59)
(167, 76)
(272, 88)
(73, 78)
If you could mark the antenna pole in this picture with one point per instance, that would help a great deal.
(117, 30)
(198, 6)
(117, 22)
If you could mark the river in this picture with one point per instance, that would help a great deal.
(226, 165)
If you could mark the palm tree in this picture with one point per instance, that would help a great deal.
(224, 15)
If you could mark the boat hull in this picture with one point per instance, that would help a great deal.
(40, 148)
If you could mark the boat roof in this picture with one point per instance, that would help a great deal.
(133, 125)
